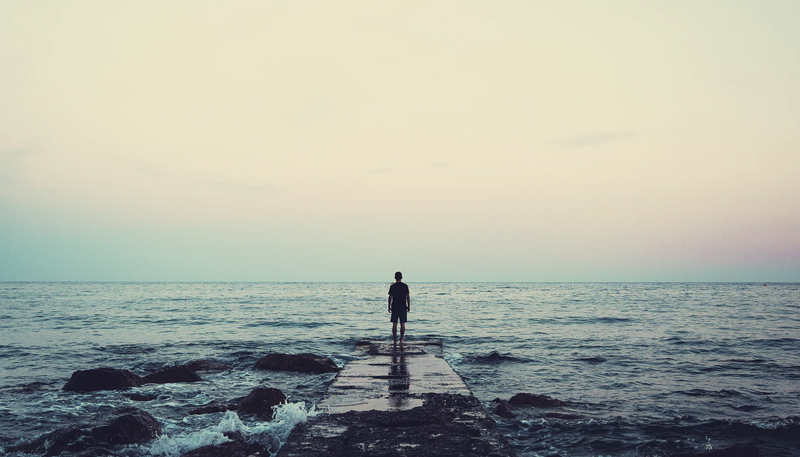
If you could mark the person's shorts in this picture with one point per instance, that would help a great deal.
(399, 314)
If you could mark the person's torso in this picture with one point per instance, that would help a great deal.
(398, 291)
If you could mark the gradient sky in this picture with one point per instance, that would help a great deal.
(453, 140)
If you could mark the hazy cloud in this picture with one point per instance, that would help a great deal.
(152, 170)
(381, 170)
(594, 139)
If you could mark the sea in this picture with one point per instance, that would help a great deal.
(646, 369)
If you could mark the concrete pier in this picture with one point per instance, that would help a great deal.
(398, 401)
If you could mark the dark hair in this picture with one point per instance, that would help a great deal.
(398, 275)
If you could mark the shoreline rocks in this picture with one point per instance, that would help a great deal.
(180, 373)
(121, 426)
(302, 363)
(102, 379)
(261, 402)
(537, 401)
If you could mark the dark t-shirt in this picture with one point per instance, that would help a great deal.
(398, 291)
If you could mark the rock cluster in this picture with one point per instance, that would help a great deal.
(95, 436)
(122, 426)
(303, 363)
(445, 425)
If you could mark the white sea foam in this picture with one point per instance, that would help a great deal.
(286, 416)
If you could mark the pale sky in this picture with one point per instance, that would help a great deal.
(291, 140)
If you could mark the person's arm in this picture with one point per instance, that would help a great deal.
(390, 303)
(408, 302)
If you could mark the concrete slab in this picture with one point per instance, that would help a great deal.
(398, 401)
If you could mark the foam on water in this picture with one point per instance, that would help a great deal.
(275, 432)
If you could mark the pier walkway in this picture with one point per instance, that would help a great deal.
(396, 402)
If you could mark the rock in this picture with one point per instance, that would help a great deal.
(122, 426)
(737, 450)
(538, 401)
(170, 375)
(214, 407)
(101, 379)
(97, 452)
(445, 425)
(207, 365)
(304, 363)
(230, 449)
(140, 397)
(261, 402)
(502, 409)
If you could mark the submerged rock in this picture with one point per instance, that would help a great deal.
(214, 407)
(207, 365)
(262, 402)
(122, 426)
(303, 363)
(171, 375)
(140, 397)
(538, 401)
(503, 410)
(102, 379)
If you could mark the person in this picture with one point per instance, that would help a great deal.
(399, 305)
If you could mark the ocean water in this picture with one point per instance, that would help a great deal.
(646, 369)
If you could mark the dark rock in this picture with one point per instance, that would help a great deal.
(140, 397)
(261, 402)
(214, 407)
(230, 449)
(207, 365)
(170, 375)
(502, 409)
(101, 379)
(445, 425)
(122, 426)
(97, 452)
(538, 401)
(737, 450)
(304, 363)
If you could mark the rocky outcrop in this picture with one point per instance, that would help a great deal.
(169, 375)
(537, 401)
(303, 363)
(122, 426)
(503, 410)
(101, 379)
(445, 425)
(230, 449)
(261, 402)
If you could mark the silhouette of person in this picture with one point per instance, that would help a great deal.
(399, 305)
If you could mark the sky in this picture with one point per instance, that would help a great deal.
(462, 140)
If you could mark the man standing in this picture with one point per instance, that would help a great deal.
(399, 305)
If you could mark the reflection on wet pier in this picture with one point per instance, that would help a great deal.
(398, 401)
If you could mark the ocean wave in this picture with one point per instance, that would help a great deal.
(272, 434)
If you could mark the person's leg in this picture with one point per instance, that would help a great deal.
(394, 332)
(402, 331)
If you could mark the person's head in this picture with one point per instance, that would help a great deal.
(398, 276)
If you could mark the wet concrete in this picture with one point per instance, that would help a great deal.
(398, 401)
